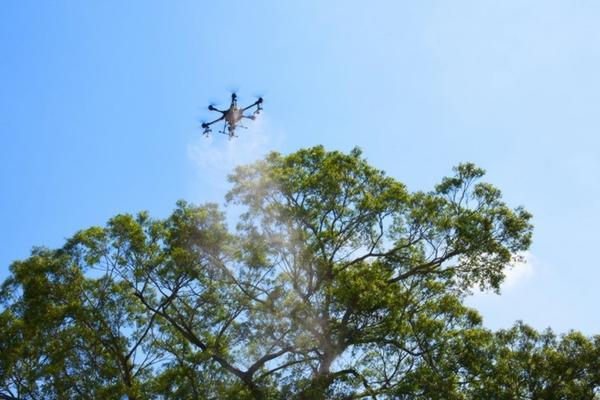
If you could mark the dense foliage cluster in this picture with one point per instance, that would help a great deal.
(337, 283)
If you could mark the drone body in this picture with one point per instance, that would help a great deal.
(232, 116)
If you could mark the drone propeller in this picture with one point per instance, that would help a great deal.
(233, 91)
(215, 102)
(259, 108)
(259, 100)
(206, 129)
(260, 94)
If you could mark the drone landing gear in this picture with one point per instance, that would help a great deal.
(230, 134)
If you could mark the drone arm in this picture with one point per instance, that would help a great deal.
(213, 108)
(207, 124)
(257, 103)
(250, 106)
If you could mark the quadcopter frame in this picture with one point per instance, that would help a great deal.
(232, 117)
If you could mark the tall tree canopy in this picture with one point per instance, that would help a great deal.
(337, 282)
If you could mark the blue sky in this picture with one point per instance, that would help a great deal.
(100, 101)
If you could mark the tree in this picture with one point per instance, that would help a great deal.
(67, 336)
(524, 364)
(336, 283)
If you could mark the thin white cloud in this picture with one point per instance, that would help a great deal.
(520, 271)
(216, 156)
(525, 266)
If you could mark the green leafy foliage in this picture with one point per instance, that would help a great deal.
(336, 283)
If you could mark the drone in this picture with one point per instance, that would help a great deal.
(232, 117)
